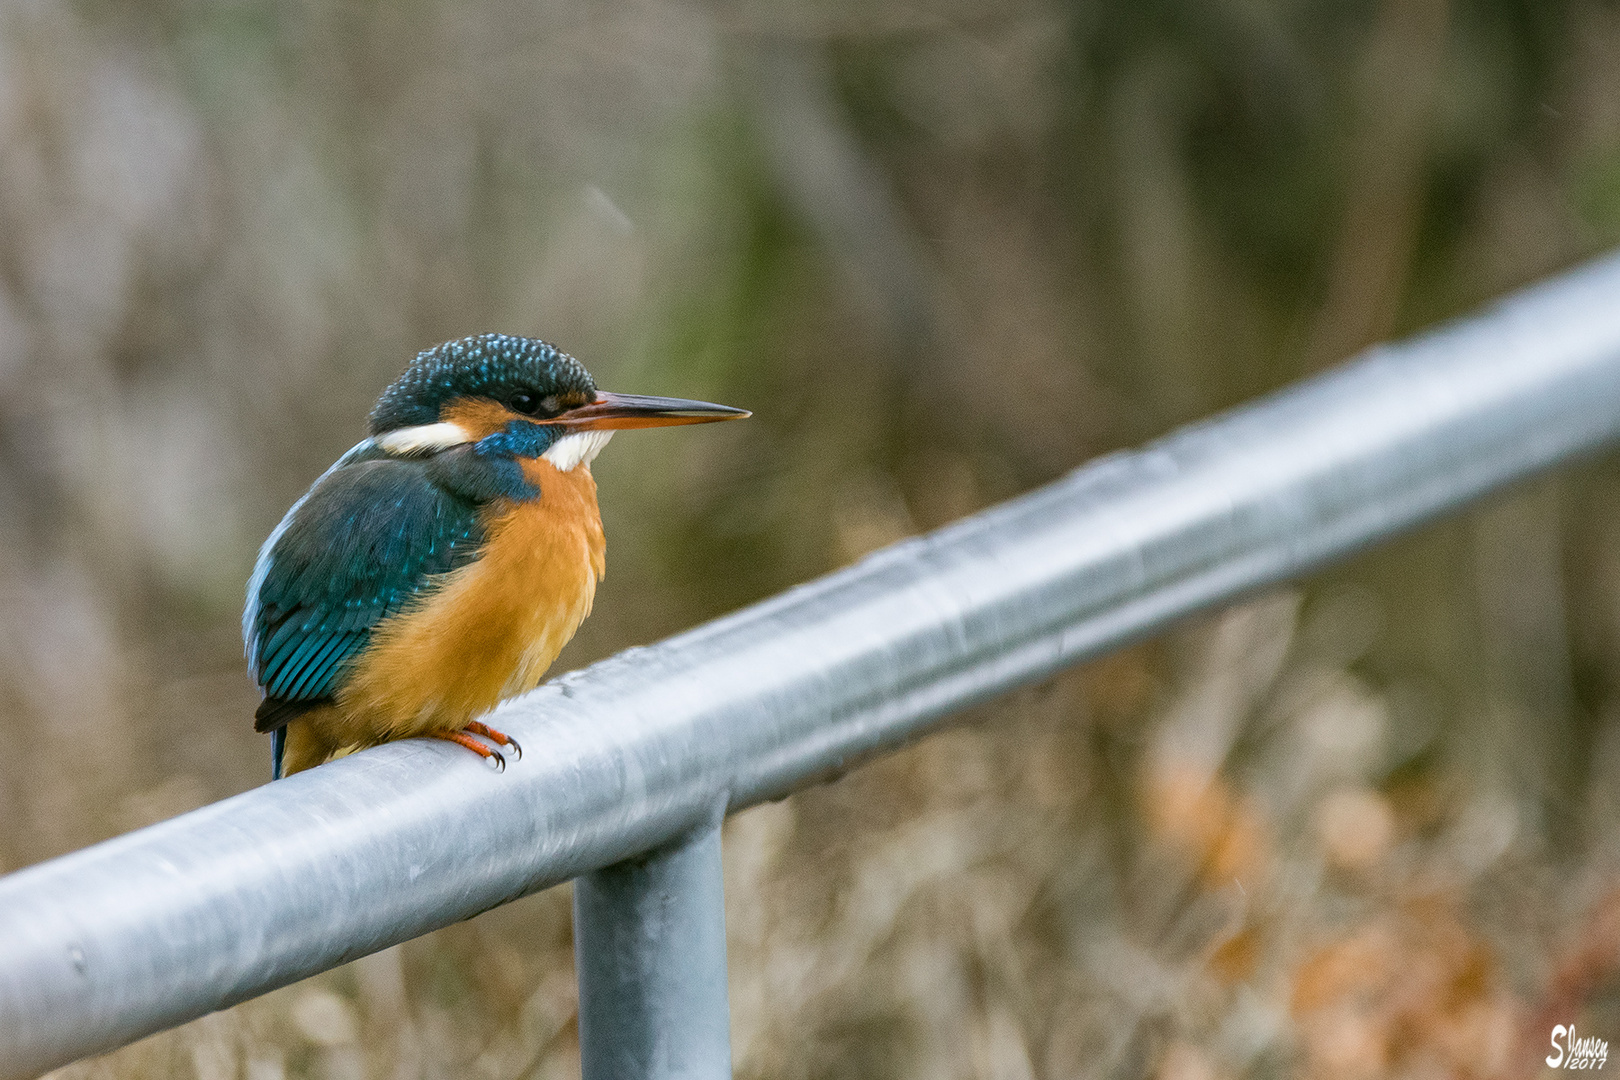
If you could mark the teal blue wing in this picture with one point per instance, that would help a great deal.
(370, 535)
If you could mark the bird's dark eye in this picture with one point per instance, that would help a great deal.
(530, 403)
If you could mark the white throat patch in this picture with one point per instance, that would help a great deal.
(579, 448)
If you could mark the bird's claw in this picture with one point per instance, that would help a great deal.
(501, 737)
(493, 758)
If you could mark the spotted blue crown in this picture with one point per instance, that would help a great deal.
(483, 365)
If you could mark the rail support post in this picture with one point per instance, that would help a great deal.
(650, 951)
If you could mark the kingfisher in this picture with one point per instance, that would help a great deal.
(439, 567)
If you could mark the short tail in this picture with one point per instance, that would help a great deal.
(273, 715)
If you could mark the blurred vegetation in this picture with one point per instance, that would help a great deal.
(945, 252)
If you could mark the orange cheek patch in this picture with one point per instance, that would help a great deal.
(479, 416)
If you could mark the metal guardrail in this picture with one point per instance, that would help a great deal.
(646, 751)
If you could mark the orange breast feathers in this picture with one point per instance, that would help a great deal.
(493, 627)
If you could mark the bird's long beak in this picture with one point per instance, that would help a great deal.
(612, 411)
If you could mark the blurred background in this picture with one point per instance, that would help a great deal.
(946, 251)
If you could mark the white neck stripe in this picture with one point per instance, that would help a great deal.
(424, 438)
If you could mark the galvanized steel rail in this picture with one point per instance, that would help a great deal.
(646, 750)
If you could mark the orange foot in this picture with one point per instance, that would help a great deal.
(494, 758)
(499, 736)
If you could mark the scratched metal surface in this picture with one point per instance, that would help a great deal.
(154, 928)
(650, 953)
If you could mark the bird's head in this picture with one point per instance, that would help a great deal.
(539, 400)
